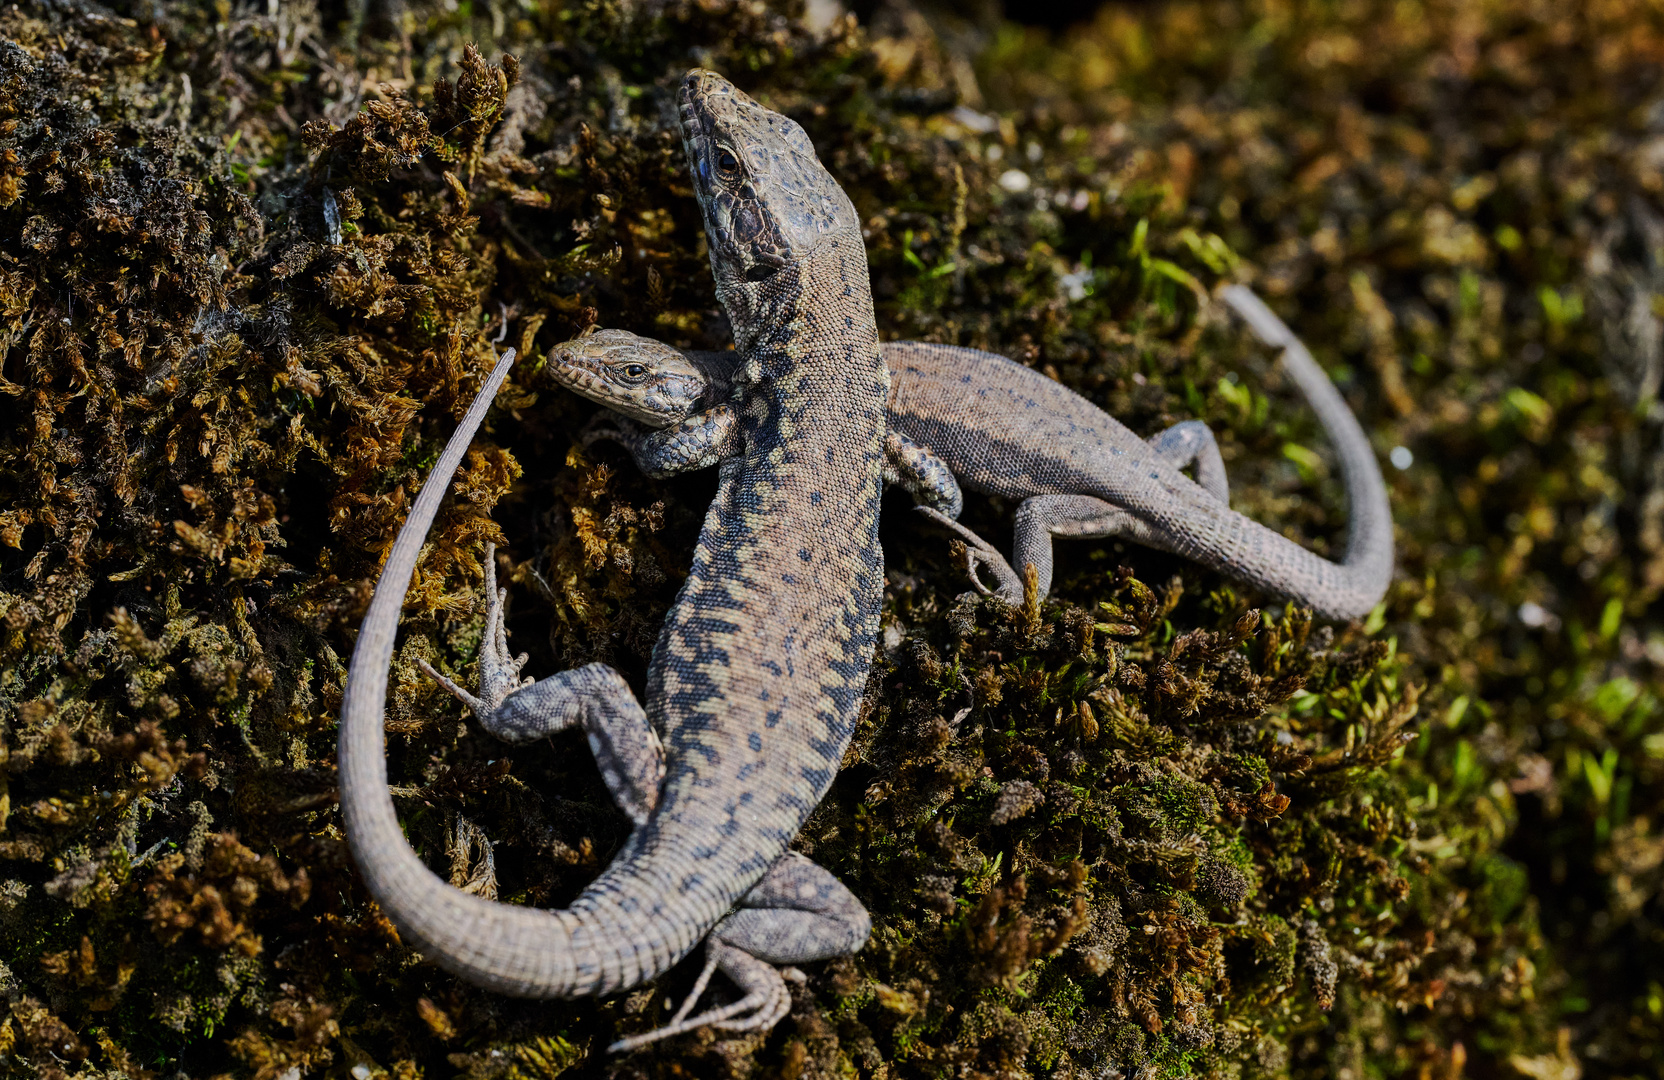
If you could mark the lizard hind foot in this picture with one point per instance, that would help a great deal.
(766, 1000)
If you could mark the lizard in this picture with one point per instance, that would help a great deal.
(757, 678)
(1006, 429)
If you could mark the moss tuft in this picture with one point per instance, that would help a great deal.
(263, 256)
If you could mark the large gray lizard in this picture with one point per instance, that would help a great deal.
(757, 678)
(1008, 430)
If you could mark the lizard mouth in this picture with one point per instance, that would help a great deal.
(698, 88)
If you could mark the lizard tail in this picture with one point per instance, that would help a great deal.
(526, 952)
(1368, 559)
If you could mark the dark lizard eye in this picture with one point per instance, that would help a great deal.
(726, 163)
(635, 371)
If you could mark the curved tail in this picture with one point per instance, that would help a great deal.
(526, 952)
(1367, 565)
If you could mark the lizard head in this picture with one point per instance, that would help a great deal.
(766, 198)
(643, 379)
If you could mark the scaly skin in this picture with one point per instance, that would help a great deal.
(757, 678)
(1007, 430)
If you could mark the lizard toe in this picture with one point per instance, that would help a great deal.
(765, 1003)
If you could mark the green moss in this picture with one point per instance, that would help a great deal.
(1143, 828)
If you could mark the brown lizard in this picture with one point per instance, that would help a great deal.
(757, 679)
(1005, 429)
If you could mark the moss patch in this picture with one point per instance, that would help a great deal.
(260, 257)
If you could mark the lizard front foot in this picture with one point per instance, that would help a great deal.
(979, 553)
(499, 670)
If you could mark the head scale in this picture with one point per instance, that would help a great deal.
(766, 197)
(643, 379)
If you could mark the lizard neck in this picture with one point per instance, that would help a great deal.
(821, 299)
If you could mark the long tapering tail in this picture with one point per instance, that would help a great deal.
(1369, 546)
(522, 951)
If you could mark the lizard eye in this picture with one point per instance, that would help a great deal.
(635, 371)
(726, 163)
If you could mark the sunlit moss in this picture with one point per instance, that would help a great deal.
(262, 258)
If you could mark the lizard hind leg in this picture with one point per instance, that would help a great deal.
(1044, 516)
(797, 913)
(593, 697)
(1192, 443)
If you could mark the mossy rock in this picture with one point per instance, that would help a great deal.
(1149, 828)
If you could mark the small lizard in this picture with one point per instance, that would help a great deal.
(1008, 430)
(757, 678)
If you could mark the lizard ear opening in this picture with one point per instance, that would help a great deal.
(761, 272)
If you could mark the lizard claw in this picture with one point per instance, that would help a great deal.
(499, 669)
(977, 553)
(479, 707)
(765, 1002)
(969, 560)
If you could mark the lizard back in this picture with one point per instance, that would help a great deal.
(1012, 430)
(762, 663)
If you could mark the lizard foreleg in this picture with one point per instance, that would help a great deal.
(922, 475)
(593, 697)
(697, 442)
